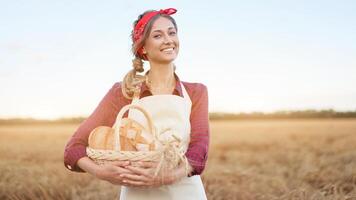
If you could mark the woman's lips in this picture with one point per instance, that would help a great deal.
(167, 50)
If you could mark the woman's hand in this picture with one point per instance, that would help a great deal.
(143, 175)
(111, 172)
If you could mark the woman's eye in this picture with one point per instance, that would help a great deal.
(172, 33)
(157, 36)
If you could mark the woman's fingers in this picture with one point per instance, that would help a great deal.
(147, 164)
(135, 183)
(140, 171)
(117, 167)
(122, 170)
(134, 177)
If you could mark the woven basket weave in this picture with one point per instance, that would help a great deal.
(120, 129)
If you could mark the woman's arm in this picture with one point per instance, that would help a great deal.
(103, 115)
(86, 164)
(197, 153)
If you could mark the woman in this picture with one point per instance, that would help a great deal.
(174, 104)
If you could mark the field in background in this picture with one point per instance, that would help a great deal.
(257, 159)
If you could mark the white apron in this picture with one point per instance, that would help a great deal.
(167, 111)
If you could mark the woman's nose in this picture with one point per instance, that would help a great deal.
(167, 39)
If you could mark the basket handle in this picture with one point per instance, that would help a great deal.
(119, 119)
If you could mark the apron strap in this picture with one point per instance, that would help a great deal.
(185, 94)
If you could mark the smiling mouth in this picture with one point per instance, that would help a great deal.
(168, 49)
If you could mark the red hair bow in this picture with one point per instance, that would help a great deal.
(140, 26)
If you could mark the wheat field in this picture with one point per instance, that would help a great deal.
(256, 159)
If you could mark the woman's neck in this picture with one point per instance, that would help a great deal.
(161, 75)
(160, 79)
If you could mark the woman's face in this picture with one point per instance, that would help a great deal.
(162, 44)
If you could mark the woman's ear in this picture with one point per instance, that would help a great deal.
(144, 50)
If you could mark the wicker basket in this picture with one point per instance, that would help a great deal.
(166, 153)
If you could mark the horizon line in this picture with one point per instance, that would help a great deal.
(286, 111)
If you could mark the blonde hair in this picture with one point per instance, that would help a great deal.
(132, 80)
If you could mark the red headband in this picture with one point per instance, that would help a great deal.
(140, 26)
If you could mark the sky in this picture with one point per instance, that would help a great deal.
(59, 58)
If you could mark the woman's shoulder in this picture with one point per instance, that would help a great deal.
(116, 91)
(116, 88)
(195, 90)
(194, 85)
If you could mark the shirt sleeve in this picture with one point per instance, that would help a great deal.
(197, 152)
(104, 115)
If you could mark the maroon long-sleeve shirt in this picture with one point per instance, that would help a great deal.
(107, 110)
